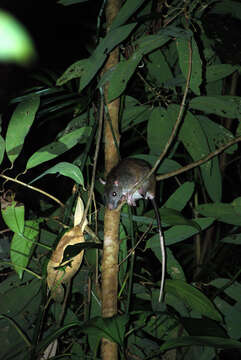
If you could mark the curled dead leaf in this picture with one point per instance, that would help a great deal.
(61, 273)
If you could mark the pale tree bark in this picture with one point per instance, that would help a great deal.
(109, 268)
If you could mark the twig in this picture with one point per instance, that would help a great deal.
(199, 162)
(32, 188)
(95, 160)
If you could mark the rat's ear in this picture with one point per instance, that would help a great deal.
(102, 181)
(116, 182)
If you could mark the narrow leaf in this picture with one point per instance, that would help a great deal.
(22, 245)
(179, 199)
(193, 298)
(19, 126)
(66, 169)
(219, 71)
(57, 148)
(86, 69)
(126, 11)
(196, 65)
(226, 106)
(216, 342)
(227, 213)
(13, 216)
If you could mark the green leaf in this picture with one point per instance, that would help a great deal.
(227, 7)
(196, 65)
(179, 199)
(134, 115)
(226, 106)
(65, 169)
(55, 335)
(15, 42)
(233, 290)
(2, 148)
(178, 233)
(217, 342)
(126, 11)
(19, 126)
(194, 139)
(158, 68)
(227, 213)
(217, 134)
(146, 44)
(158, 130)
(174, 268)
(57, 148)
(22, 245)
(121, 75)
(219, 71)
(86, 69)
(212, 178)
(232, 316)
(232, 239)
(110, 328)
(193, 298)
(13, 216)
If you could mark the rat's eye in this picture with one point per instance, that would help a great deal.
(114, 193)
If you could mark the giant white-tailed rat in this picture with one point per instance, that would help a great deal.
(124, 183)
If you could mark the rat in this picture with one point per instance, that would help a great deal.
(124, 184)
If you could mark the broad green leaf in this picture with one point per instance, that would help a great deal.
(195, 140)
(158, 68)
(22, 245)
(174, 268)
(178, 233)
(168, 216)
(219, 71)
(13, 305)
(2, 148)
(232, 316)
(146, 44)
(232, 289)
(86, 69)
(126, 11)
(223, 105)
(196, 65)
(193, 298)
(56, 334)
(110, 328)
(125, 69)
(134, 115)
(158, 130)
(166, 166)
(179, 199)
(217, 342)
(15, 42)
(57, 148)
(229, 7)
(19, 126)
(217, 134)
(121, 75)
(227, 213)
(232, 239)
(212, 179)
(13, 216)
(65, 169)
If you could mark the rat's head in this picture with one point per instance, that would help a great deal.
(113, 195)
